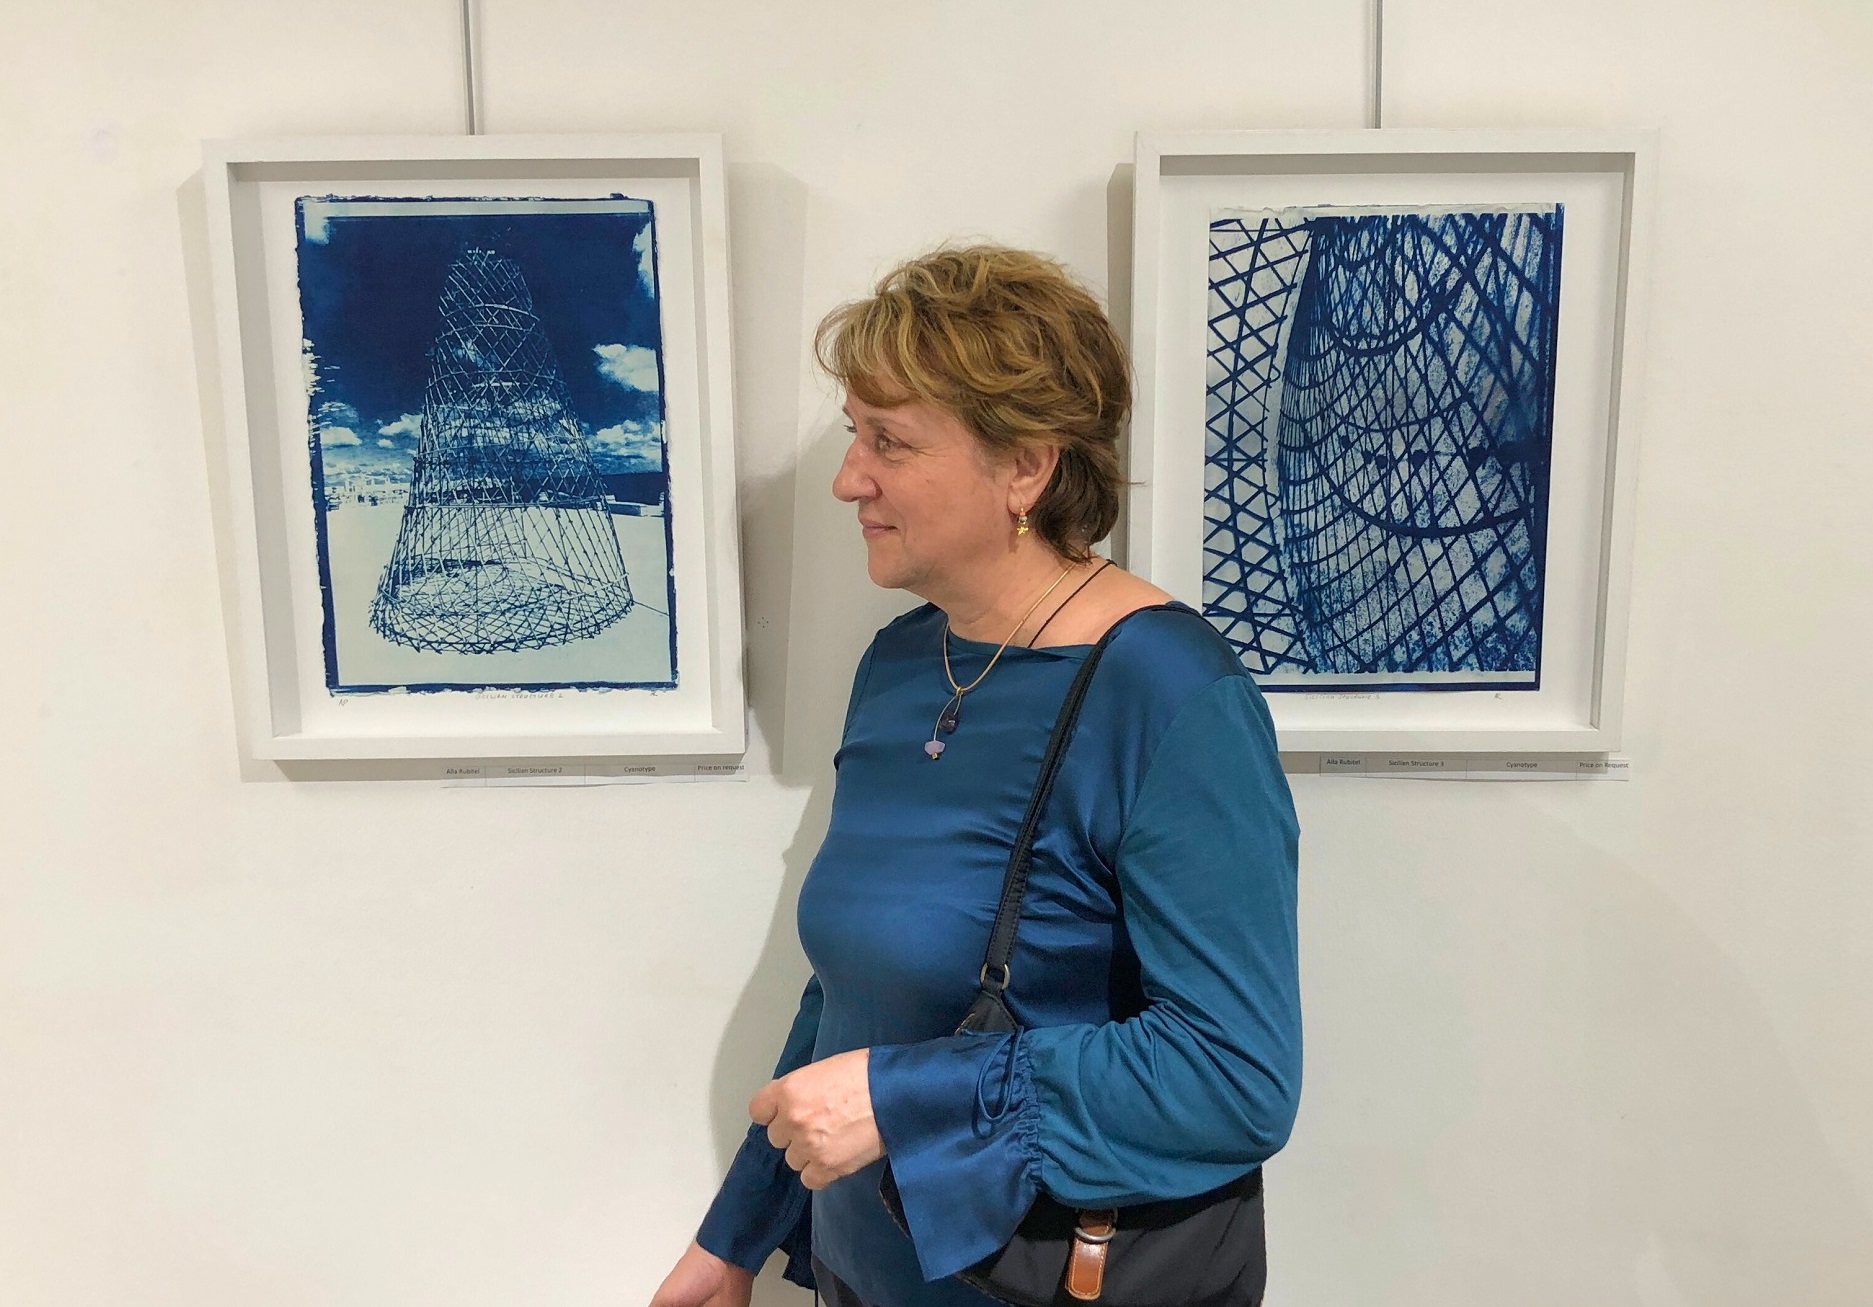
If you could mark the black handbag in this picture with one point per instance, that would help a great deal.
(1203, 1251)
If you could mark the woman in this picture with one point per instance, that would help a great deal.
(1154, 974)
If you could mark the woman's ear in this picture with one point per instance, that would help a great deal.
(1033, 466)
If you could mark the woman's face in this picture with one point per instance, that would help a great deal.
(934, 507)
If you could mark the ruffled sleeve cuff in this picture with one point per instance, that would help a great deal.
(761, 1206)
(960, 1126)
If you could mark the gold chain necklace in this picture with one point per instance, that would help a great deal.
(953, 706)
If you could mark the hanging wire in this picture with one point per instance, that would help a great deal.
(1376, 94)
(469, 96)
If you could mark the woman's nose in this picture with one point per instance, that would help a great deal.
(849, 484)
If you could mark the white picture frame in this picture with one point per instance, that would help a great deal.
(266, 199)
(1184, 182)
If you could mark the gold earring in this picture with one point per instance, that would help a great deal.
(1021, 524)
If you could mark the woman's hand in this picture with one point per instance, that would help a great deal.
(701, 1279)
(821, 1116)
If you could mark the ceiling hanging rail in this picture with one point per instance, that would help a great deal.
(1375, 91)
(470, 97)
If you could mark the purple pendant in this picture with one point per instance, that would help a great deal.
(951, 716)
(934, 748)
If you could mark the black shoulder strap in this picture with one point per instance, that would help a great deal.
(989, 1013)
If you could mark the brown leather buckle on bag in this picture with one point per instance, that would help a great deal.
(1086, 1262)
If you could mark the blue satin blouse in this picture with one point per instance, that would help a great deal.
(1160, 1054)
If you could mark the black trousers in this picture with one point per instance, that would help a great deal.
(834, 1291)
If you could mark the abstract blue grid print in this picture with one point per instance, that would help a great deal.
(490, 485)
(1379, 418)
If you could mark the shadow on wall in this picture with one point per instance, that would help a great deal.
(757, 1027)
(767, 216)
(1705, 1119)
(192, 223)
(1534, 1079)
(835, 611)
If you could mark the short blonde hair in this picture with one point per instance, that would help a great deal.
(1018, 350)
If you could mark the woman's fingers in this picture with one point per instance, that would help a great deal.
(820, 1117)
(701, 1279)
(765, 1103)
(736, 1291)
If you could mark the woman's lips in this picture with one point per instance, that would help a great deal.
(872, 529)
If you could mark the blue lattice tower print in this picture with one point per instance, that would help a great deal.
(1414, 439)
(506, 542)
(1255, 264)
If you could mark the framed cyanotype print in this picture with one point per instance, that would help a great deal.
(476, 501)
(480, 446)
(1379, 407)
(1378, 439)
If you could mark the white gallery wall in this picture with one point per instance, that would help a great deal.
(371, 1043)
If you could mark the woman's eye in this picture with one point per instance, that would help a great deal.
(881, 442)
